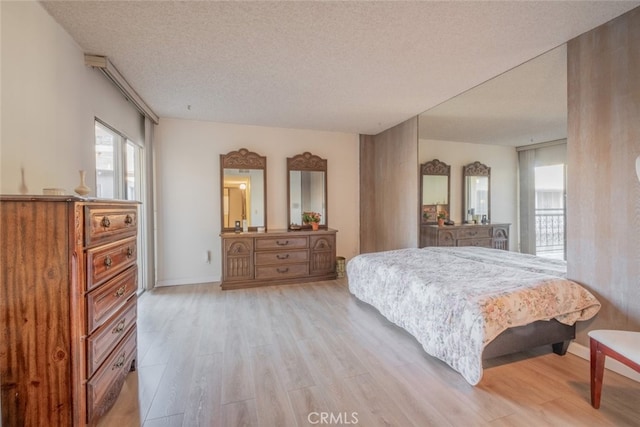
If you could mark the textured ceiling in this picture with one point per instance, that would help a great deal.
(339, 66)
(525, 105)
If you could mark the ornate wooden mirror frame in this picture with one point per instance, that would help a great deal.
(435, 193)
(306, 189)
(243, 177)
(476, 178)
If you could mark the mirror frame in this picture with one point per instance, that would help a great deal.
(242, 159)
(437, 168)
(307, 162)
(475, 169)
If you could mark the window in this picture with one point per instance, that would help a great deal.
(118, 165)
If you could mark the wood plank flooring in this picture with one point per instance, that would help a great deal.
(312, 354)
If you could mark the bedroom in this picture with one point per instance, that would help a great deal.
(62, 104)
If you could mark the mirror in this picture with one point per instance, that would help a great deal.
(434, 190)
(307, 189)
(477, 193)
(243, 194)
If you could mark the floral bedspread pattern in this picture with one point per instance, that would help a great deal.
(455, 301)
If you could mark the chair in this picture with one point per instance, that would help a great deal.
(623, 346)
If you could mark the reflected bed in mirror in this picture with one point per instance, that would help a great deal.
(243, 193)
(307, 189)
(435, 191)
(477, 193)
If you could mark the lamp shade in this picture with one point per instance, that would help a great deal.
(638, 167)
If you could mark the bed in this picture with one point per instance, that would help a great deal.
(466, 303)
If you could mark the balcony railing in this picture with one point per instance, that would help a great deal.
(550, 233)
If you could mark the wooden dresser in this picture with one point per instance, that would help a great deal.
(486, 235)
(67, 307)
(277, 257)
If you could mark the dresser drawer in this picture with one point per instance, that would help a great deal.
(270, 243)
(485, 243)
(474, 233)
(446, 238)
(104, 262)
(282, 257)
(282, 272)
(103, 388)
(105, 300)
(102, 342)
(107, 224)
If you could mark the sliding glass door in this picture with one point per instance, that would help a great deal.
(119, 175)
(550, 214)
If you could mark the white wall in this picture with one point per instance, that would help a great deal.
(49, 101)
(503, 162)
(188, 189)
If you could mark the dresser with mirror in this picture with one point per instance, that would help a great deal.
(255, 255)
(476, 228)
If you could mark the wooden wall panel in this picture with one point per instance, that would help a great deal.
(389, 188)
(603, 197)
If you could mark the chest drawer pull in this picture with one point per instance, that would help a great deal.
(108, 261)
(283, 270)
(120, 327)
(129, 252)
(105, 222)
(279, 243)
(120, 362)
(128, 220)
(121, 290)
(282, 256)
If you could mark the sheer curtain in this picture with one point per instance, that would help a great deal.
(530, 157)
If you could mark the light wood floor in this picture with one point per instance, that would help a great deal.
(284, 355)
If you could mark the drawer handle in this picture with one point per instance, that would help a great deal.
(119, 363)
(105, 222)
(129, 252)
(473, 233)
(108, 261)
(128, 220)
(120, 291)
(279, 243)
(120, 327)
(284, 270)
(282, 256)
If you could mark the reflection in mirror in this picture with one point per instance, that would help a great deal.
(477, 187)
(307, 181)
(243, 190)
(434, 190)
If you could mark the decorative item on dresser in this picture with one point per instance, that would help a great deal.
(277, 257)
(486, 235)
(67, 307)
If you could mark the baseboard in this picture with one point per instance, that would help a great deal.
(613, 365)
(190, 281)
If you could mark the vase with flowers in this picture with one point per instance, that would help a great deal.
(311, 218)
(442, 215)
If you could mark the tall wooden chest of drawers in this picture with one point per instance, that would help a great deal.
(67, 307)
(486, 235)
(277, 257)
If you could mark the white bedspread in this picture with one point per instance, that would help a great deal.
(455, 301)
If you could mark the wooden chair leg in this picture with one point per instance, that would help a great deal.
(597, 372)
